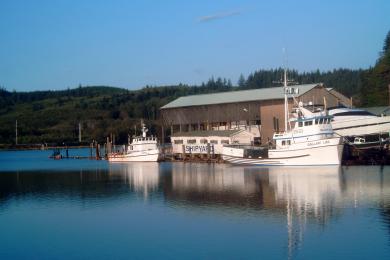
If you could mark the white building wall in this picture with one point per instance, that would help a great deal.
(200, 144)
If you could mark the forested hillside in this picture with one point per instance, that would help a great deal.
(376, 80)
(54, 116)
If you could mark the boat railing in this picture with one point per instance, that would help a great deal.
(143, 139)
(246, 146)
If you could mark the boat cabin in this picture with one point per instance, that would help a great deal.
(141, 143)
(303, 130)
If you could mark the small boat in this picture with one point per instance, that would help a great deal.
(368, 142)
(309, 141)
(141, 149)
(56, 155)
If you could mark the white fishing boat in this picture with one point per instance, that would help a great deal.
(310, 140)
(141, 149)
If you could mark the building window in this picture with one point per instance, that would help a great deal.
(316, 121)
(224, 141)
(288, 142)
(178, 141)
(191, 141)
(213, 141)
(300, 124)
(283, 142)
(203, 141)
(307, 123)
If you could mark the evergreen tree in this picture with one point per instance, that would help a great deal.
(241, 81)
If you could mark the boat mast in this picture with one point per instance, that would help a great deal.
(285, 99)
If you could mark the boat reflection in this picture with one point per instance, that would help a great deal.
(141, 177)
(307, 193)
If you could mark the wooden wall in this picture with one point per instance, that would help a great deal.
(272, 118)
(211, 113)
(317, 94)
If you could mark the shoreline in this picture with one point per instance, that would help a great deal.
(39, 147)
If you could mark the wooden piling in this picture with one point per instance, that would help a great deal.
(90, 150)
(97, 151)
(183, 155)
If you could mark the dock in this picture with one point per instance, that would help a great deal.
(351, 155)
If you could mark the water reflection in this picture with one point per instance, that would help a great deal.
(216, 185)
(141, 177)
(296, 197)
(308, 193)
(298, 194)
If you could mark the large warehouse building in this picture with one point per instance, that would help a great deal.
(259, 111)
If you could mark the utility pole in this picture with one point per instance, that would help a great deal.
(16, 132)
(79, 132)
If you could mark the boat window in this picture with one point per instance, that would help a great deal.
(178, 142)
(300, 124)
(283, 142)
(316, 121)
(308, 123)
(224, 141)
(213, 141)
(354, 113)
(203, 141)
(288, 142)
(191, 141)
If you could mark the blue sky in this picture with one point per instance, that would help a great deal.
(56, 44)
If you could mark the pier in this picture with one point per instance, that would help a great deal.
(351, 155)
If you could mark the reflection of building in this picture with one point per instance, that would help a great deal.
(364, 185)
(219, 185)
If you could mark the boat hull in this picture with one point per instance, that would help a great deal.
(322, 152)
(137, 156)
(362, 126)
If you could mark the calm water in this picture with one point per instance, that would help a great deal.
(93, 210)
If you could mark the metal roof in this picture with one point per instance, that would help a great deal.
(208, 133)
(235, 96)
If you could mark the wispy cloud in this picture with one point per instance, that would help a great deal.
(199, 71)
(209, 18)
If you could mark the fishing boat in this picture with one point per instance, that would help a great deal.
(310, 140)
(141, 149)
